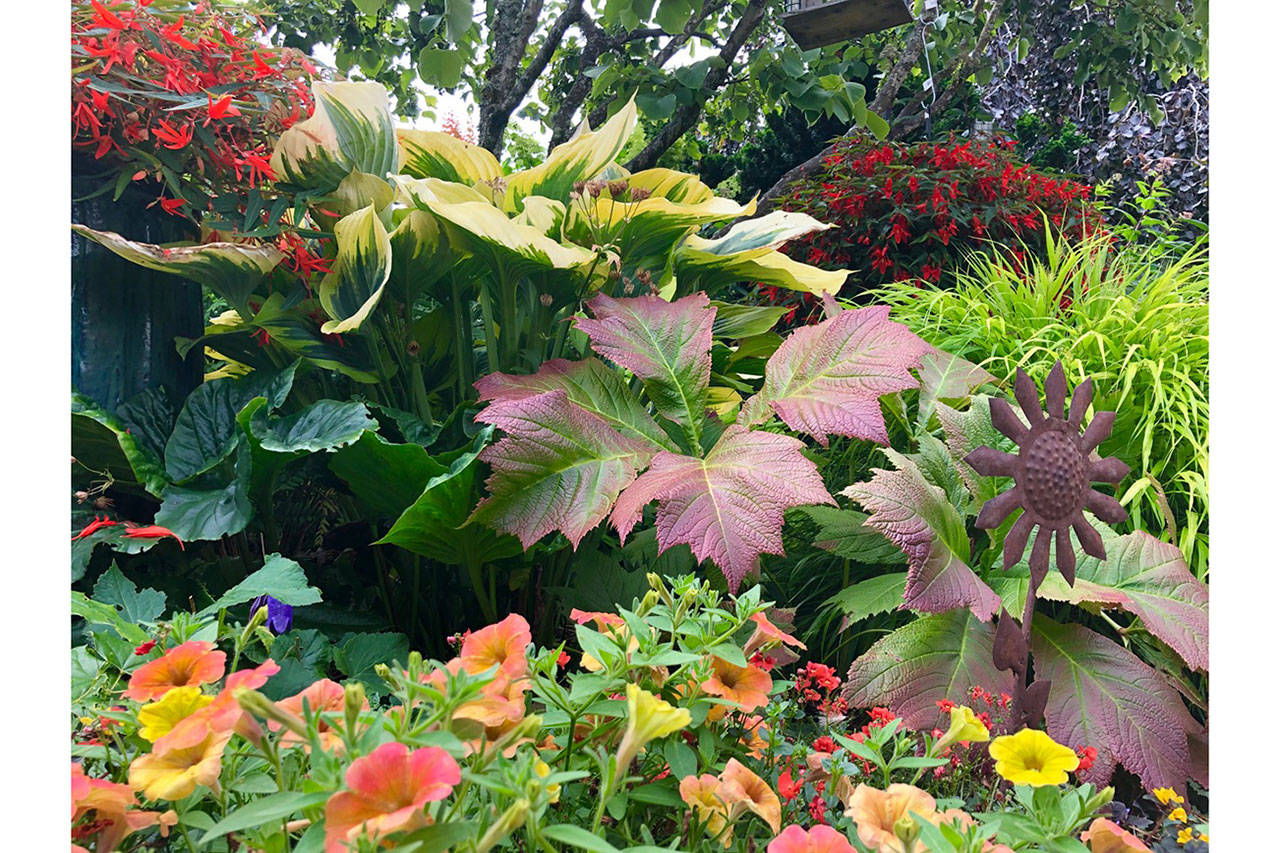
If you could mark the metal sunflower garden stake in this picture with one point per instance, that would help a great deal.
(1052, 475)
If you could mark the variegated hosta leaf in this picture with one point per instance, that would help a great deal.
(588, 384)
(420, 254)
(828, 378)
(360, 271)
(1104, 696)
(681, 187)
(579, 159)
(350, 130)
(916, 516)
(231, 270)
(762, 233)
(545, 214)
(666, 344)
(927, 660)
(1145, 577)
(728, 506)
(359, 190)
(430, 154)
(558, 468)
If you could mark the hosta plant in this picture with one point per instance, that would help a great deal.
(583, 443)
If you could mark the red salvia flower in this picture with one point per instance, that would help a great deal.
(152, 531)
(93, 527)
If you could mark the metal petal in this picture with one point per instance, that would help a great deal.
(1109, 470)
(1066, 556)
(1098, 430)
(1025, 392)
(1009, 650)
(1055, 391)
(1090, 539)
(1080, 400)
(1105, 507)
(1034, 700)
(1015, 543)
(1003, 419)
(996, 510)
(1039, 562)
(993, 463)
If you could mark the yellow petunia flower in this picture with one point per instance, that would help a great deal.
(158, 718)
(648, 718)
(1031, 757)
(1166, 796)
(1184, 835)
(965, 727)
(1179, 814)
(544, 770)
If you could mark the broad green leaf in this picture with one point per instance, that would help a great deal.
(360, 271)
(102, 441)
(579, 837)
(917, 517)
(357, 654)
(666, 344)
(135, 605)
(273, 808)
(437, 837)
(558, 468)
(1104, 696)
(279, 577)
(359, 190)
(212, 509)
(734, 322)
(935, 657)
(350, 130)
(579, 159)
(944, 376)
(105, 614)
(588, 384)
(386, 478)
(231, 270)
(728, 506)
(351, 355)
(965, 432)
(324, 425)
(879, 594)
(420, 255)
(845, 533)
(828, 378)
(457, 18)
(431, 154)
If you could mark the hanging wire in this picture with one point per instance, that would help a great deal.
(924, 44)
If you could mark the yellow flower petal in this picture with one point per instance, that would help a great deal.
(158, 718)
(1031, 757)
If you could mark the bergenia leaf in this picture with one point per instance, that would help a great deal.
(558, 468)
(933, 658)
(1104, 696)
(666, 344)
(728, 506)
(916, 516)
(1149, 579)
(588, 384)
(828, 378)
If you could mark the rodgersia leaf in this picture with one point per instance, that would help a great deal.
(666, 344)
(559, 468)
(916, 516)
(934, 657)
(828, 378)
(728, 506)
(1104, 696)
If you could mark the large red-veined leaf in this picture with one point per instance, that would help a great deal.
(933, 658)
(965, 432)
(1104, 696)
(728, 506)
(916, 516)
(1149, 579)
(666, 344)
(588, 384)
(828, 379)
(558, 468)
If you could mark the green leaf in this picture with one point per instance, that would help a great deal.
(324, 425)
(103, 441)
(879, 594)
(105, 614)
(360, 271)
(358, 653)
(579, 837)
(682, 759)
(213, 511)
(441, 66)
(844, 532)
(279, 577)
(350, 130)
(370, 7)
(135, 605)
(734, 322)
(457, 18)
(386, 478)
(437, 837)
(266, 810)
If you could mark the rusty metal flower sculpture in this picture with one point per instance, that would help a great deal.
(1052, 474)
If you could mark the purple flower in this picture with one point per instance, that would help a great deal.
(279, 614)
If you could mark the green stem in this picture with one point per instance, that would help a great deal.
(490, 331)
(463, 339)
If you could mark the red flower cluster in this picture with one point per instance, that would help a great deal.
(816, 683)
(910, 211)
(186, 87)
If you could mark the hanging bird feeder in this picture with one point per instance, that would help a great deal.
(816, 23)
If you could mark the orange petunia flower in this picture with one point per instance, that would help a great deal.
(875, 813)
(502, 645)
(744, 790)
(389, 788)
(108, 813)
(819, 839)
(1104, 836)
(603, 621)
(768, 635)
(751, 738)
(703, 796)
(747, 686)
(193, 663)
(323, 696)
(189, 755)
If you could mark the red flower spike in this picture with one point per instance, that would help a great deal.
(105, 18)
(152, 531)
(94, 526)
(144, 648)
(220, 109)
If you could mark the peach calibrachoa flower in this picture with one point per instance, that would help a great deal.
(109, 807)
(388, 789)
(158, 718)
(502, 645)
(189, 755)
(648, 718)
(321, 696)
(1031, 757)
(193, 663)
(747, 686)
(875, 812)
(768, 635)
(1104, 836)
(703, 796)
(752, 726)
(744, 790)
(819, 839)
(609, 624)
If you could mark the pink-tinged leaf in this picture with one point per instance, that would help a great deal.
(1104, 696)
(965, 432)
(933, 658)
(558, 468)
(666, 344)
(916, 516)
(728, 506)
(828, 379)
(1149, 579)
(588, 384)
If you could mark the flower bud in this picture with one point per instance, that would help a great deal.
(503, 826)
(260, 706)
(907, 831)
(647, 603)
(353, 702)
(382, 671)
